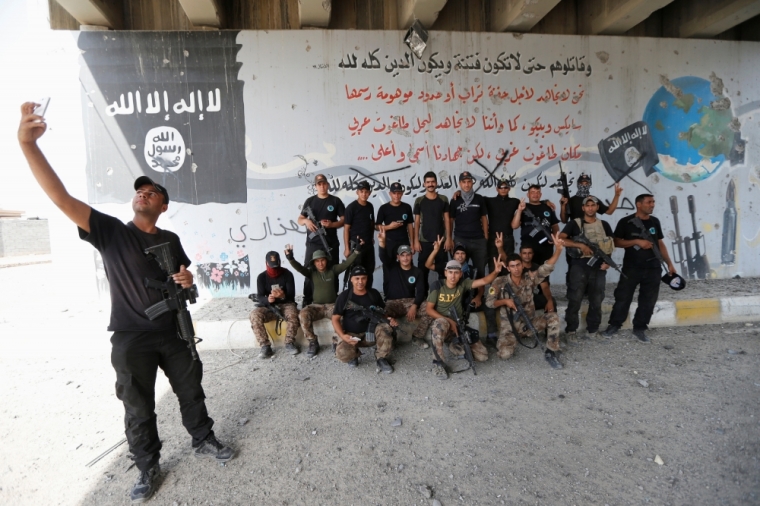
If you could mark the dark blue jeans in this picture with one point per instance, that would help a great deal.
(136, 357)
(583, 279)
(648, 281)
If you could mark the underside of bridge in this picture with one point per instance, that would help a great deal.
(706, 19)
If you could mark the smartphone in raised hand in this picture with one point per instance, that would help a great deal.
(42, 106)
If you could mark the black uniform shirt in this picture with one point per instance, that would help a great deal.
(388, 213)
(127, 266)
(354, 321)
(641, 258)
(545, 214)
(431, 217)
(330, 208)
(467, 223)
(362, 221)
(501, 210)
(285, 281)
(402, 284)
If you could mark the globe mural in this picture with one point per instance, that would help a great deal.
(693, 128)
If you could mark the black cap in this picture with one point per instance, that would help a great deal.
(460, 247)
(321, 178)
(503, 183)
(143, 180)
(466, 175)
(674, 281)
(359, 270)
(273, 259)
(397, 187)
(363, 185)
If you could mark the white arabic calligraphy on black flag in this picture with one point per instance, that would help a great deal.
(168, 105)
(628, 150)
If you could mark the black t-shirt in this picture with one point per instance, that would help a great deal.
(547, 217)
(354, 321)
(330, 208)
(431, 217)
(501, 210)
(574, 208)
(362, 221)
(388, 213)
(126, 266)
(401, 284)
(285, 281)
(641, 258)
(467, 223)
(572, 230)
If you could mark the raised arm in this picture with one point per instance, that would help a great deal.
(518, 214)
(30, 129)
(615, 199)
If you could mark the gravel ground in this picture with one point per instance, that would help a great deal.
(317, 432)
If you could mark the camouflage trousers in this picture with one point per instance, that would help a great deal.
(398, 308)
(262, 315)
(383, 340)
(505, 346)
(312, 313)
(443, 333)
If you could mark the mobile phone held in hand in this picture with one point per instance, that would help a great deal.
(42, 106)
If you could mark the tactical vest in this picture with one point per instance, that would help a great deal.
(595, 233)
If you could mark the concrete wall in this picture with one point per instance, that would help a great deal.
(24, 237)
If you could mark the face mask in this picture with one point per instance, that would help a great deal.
(584, 191)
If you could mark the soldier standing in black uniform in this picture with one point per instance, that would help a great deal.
(139, 345)
(641, 266)
(584, 278)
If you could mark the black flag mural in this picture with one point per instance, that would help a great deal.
(168, 105)
(628, 150)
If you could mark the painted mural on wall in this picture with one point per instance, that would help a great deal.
(168, 105)
(359, 106)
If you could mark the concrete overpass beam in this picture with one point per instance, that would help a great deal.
(315, 12)
(203, 12)
(707, 18)
(615, 17)
(95, 12)
(424, 10)
(518, 15)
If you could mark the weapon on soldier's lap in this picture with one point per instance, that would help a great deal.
(521, 314)
(280, 317)
(465, 337)
(374, 314)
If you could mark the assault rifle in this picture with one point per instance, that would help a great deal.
(538, 227)
(175, 297)
(565, 190)
(374, 314)
(597, 253)
(646, 235)
(321, 232)
(548, 354)
(466, 336)
(280, 317)
(678, 243)
(699, 267)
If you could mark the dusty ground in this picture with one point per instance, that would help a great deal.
(316, 432)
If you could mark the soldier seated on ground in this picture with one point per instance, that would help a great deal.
(542, 296)
(324, 293)
(523, 282)
(405, 295)
(452, 293)
(356, 330)
(275, 287)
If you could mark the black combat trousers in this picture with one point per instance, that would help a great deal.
(648, 281)
(136, 357)
(583, 280)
